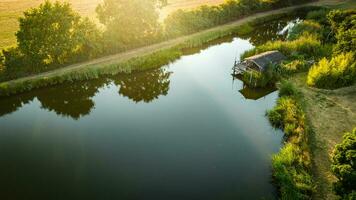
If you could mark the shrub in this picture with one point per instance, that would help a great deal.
(293, 180)
(344, 166)
(340, 71)
(298, 65)
(256, 79)
(304, 27)
(275, 117)
(289, 111)
(343, 24)
(189, 21)
(291, 166)
(14, 64)
(287, 89)
(306, 46)
(319, 16)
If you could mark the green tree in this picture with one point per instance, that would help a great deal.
(128, 22)
(53, 34)
(88, 40)
(344, 166)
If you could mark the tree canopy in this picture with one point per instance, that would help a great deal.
(53, 33)
(128, 22)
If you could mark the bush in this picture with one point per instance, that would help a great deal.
(291, 166)
(188, 21)
(344, 166)
(306, 46)
(287, 89)
(14, 64)
(340, 71)
(304, 27)
(294, 66)
(256, 79)
(343, 24)
(294, 181)
(275, 117)
(319, 16)
(290, 112)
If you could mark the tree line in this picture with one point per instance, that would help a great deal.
(53, 34)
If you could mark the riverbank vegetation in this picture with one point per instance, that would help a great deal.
(53, 35)
(292, 165)
(339, 71)
(186, 22)
(325, 38)
(130, 64)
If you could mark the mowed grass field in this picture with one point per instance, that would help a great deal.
(10, 10)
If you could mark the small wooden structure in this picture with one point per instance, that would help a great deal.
(258, 62)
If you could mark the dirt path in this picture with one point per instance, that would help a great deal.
(120, 57)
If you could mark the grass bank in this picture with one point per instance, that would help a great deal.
(132, 60)
(292, 165)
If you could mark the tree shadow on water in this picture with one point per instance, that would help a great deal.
(68, 100)
(144, 86)
(74, 100)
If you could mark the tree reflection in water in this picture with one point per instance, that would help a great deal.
(144, 86)
(70, 100)
(13, 103)
(75, 100)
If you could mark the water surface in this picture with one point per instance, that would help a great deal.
(183, 131)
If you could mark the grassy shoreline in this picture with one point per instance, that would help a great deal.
(292, 164)
(128, 61)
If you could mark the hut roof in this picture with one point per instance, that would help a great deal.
(264, 59)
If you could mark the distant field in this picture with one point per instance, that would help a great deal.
(10, 10)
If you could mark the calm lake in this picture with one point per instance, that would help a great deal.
(184, 131)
